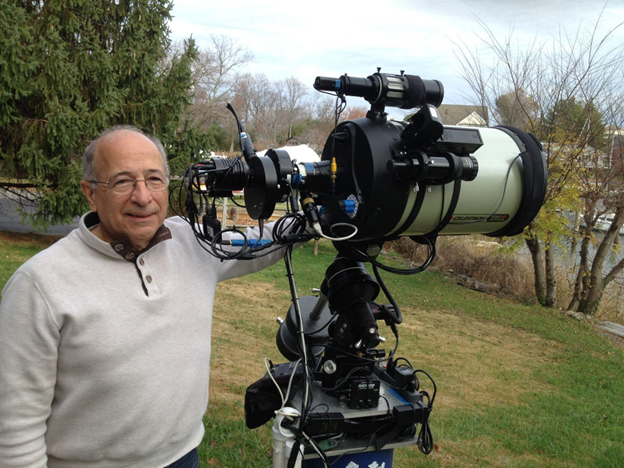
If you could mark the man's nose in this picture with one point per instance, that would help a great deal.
(141, 194)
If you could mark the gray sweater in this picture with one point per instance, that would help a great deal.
(104, 362)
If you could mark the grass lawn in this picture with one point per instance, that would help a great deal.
(16, 248)
(518, 385)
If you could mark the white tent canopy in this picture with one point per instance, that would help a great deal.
(300, 153)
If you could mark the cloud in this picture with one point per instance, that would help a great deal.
(304, 39)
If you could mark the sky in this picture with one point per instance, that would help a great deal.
(303, 39)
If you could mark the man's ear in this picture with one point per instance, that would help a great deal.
(87, 189)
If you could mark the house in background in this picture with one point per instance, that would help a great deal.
(471, 116)
(615, 138)
(296, 141)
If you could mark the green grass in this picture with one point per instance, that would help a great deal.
(518, 385)
(569, 410)
(15, 249)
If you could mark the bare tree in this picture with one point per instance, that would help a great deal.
(604, 192)
(270, 110)
(354, 112)
(215, 77)
(320, 117)
(534, 87)
(274, 112)
(294, 93)
(516, 108)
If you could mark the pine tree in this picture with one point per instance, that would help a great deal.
(72, 68)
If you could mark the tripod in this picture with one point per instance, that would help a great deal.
(354, 403)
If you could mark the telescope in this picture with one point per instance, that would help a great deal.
(377, 180)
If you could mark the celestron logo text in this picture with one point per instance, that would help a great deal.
(497, 218)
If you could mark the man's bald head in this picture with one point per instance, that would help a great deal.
(89, 163)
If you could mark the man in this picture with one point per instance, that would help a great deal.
(105, 336)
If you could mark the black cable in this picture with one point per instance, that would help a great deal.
(338, 109)
(220, 252)
(361, 256)
(196, 175)
(358, 192)
(294, 453)
(368, 444)
(300, 340)
(396, 346)
(409, 364)
(397, 318)
(425, 439)
(287, 233)
(435, 388)
(319, 405)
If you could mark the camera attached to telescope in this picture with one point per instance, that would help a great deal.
(377, 180)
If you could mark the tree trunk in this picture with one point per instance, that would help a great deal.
(583, 272)
(537, 255)
(575, 232)
(597, 283)
(551, 281)
(589, 304)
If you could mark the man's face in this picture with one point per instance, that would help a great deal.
(137, 216)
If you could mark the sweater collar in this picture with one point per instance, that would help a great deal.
(119, 247)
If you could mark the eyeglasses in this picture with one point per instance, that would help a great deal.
(124, 185)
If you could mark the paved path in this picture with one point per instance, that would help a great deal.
(11, 220)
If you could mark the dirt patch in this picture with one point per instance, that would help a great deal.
(616, 339)
(484, 363)
(32, 239)
(243, 333)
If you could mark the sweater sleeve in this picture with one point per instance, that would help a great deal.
(29, 339)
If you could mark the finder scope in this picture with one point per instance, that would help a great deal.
(384, 89)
